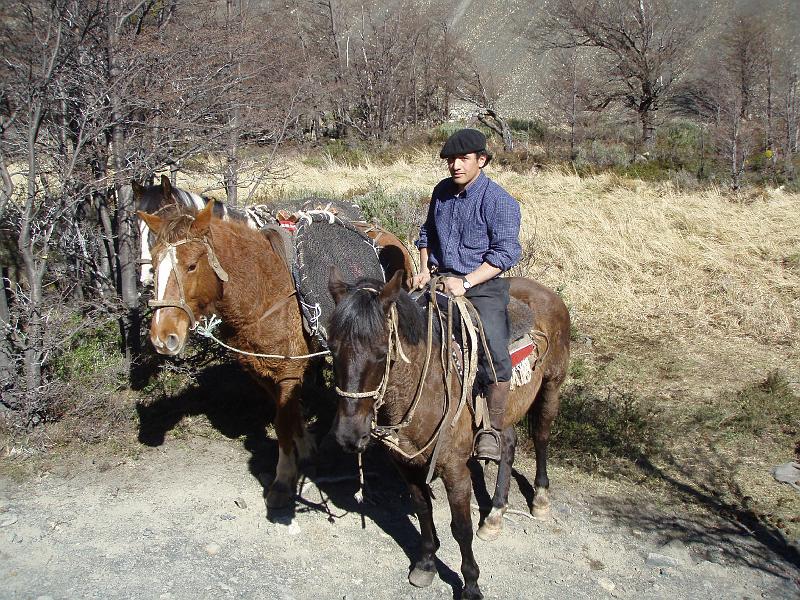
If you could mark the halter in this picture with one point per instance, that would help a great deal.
(394, 344)
(169, 250)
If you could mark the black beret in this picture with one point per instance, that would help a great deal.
(465, 141)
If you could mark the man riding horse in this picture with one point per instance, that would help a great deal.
(471, 237)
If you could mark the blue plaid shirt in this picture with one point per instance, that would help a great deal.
(481, 224)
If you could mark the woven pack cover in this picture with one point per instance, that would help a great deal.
(321, 241)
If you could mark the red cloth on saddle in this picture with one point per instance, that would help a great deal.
(520, 350)
(288, 225)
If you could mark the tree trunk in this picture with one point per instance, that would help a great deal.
(33, 271)
(231, 174)
(6, 361)
(499, 126)
(648, 119)
(735, 168)
(126, 227)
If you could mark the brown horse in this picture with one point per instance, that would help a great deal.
(380, 344)
(206, 266)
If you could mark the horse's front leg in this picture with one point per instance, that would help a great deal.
(290, 429)
(493, 523)
(424, 569)
(459, 493)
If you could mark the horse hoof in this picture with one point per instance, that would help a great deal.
(419, 578)
(540, 513)
(471, 593)
(489, 533)
(279, 496)
(492, 525)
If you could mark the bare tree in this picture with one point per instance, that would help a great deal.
(745, 46)
(478, 88)
(40, 44)
(571, 91)
(645, 46)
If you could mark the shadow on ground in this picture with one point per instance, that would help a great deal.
(627, 437)
(736, 532)
(235, 407)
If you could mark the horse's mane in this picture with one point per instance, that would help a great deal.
(359, 316)
(176, 221)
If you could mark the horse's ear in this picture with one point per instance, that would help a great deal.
(166, 188)
(137, 188)
(153, 222)
(391, 290)
(202, 221)
(337, 286)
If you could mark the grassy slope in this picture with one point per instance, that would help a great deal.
(683, 305)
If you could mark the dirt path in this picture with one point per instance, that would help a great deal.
(187, 520)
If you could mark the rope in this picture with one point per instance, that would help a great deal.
(206, 330)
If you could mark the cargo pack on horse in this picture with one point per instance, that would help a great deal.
(205, 266)
(153, 199)
(392, 374)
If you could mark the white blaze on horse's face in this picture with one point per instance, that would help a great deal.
(169, 329)
(166, 267)
(146, 269)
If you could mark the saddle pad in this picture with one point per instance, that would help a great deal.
(520, 318)
(322, 240)
(520, 350)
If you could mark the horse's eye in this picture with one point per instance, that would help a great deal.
(191, 268)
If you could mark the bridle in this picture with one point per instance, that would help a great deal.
(395, 350)
(170, 253)
(388, 433)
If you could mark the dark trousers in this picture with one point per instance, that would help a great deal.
(491, 299)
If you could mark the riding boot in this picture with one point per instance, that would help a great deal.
(487, 441)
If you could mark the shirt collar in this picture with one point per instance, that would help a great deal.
(474, 187)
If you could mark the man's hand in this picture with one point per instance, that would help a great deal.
(454, 286)
(421, 279)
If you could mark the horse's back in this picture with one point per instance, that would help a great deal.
(550, 315)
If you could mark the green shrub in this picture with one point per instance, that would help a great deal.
(602, 155)
(535, 130)
(93, 350)
(399, 212)
(594, 426)
(650, 170)
(678, 144)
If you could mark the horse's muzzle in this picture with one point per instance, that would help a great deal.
(353, 445)
(351, 439)
(171, 345)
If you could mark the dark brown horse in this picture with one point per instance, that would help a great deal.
(373, 327)
(203, 266)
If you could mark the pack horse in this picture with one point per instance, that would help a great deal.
(207, 266)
